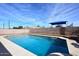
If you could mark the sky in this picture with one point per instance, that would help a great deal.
(33, 14)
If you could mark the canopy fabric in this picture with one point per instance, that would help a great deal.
(58, 23)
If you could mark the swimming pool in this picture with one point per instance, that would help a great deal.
(40, 45)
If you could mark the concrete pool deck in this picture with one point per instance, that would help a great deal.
(73, 49)
(16, 50)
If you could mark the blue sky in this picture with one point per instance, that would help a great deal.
(30, 14)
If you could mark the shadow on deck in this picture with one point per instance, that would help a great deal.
(4, 51)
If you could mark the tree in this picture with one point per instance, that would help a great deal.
(38, 26)
(20, 27)
(14, 27)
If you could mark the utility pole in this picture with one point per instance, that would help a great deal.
(3, 25)
(9, 24)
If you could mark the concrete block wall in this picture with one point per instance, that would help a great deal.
(46, 31)
(72, 31)
(55, 31)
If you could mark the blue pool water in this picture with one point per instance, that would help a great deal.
(40, 45)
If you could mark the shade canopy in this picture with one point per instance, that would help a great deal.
(58, 23)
